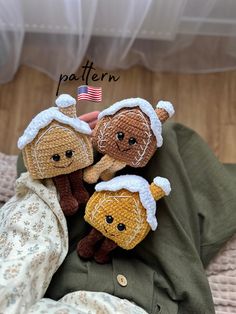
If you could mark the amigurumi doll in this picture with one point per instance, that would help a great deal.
(56, 144)
(121, 211)
(127, 133)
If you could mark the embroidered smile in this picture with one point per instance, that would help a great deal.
(111, 234)
(122, 150)
(63, 166)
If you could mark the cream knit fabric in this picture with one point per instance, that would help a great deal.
(221, 275)
(7, 176)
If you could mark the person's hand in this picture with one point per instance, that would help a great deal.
(91, 118)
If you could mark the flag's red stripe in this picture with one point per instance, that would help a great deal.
(91, 93)
(95, 94)
(96, 100)
(94, 91)
(88, 97)
(92, 96)
(94, 88)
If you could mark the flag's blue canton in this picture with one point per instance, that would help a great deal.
(83, 90)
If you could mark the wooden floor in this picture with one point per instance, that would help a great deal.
(204, 102)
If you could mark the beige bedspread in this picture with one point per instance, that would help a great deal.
(221, 275)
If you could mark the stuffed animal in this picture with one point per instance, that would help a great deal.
(56, 144)
(128, 133)
(121, 211)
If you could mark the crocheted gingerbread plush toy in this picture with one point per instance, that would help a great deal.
(121, 211)
(128, 133)
(56, 144)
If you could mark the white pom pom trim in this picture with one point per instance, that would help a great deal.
(167, 106)
(65, 100)
(163, 183)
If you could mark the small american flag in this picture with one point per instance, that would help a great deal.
(89, 93)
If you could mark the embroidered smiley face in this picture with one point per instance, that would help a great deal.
(56, 141)
(126, 136)
(58, 149)
(119, 215)
(57, 158)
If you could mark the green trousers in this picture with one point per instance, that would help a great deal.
(165, 273)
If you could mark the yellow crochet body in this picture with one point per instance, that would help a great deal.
(125, 208)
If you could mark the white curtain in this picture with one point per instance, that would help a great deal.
(163, 35)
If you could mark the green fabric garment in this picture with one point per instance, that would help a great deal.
(165, 272)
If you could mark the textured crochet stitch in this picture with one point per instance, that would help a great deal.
(56, 144)
(130, 202)
(129, 132)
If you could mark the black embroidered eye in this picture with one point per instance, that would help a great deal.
(109, 219)
(56, 157)
(69, 153)
(120, 136)
(121, 227)
(132, 141)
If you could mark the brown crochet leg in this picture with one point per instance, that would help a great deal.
(102, 255)
(86, 246)
(77, 187)
(68, 203)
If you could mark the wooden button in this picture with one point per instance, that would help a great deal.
(122, 280)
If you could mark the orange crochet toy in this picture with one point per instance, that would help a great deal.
(128, 133)
(56, 144)
(122, 211)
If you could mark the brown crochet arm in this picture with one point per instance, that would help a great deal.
(92, 173)
(68, 203)
(77, 187)
(110, 172)
(102, 255)
(86, 246)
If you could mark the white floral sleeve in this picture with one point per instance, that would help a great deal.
(33, 244)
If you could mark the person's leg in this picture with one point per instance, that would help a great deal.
(195, 220)
(204, 187)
